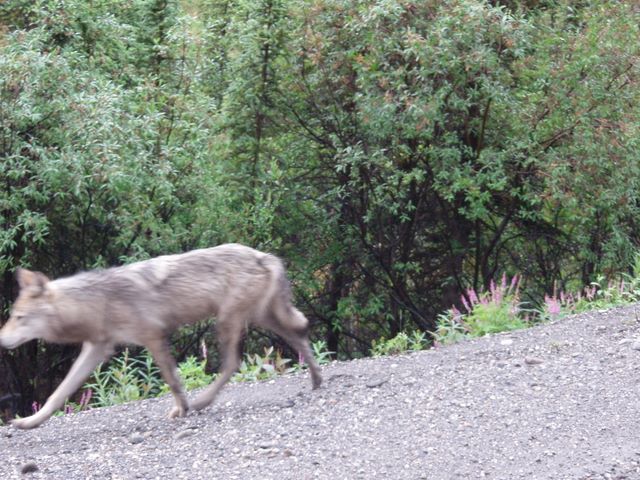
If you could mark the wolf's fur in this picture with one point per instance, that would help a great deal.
(143, 302)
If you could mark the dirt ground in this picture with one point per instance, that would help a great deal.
(558, 401)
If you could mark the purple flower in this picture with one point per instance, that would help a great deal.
(514, 283)
(466, 305)
(473, 297)
(203, 349)
(552, 304)
(85, 399)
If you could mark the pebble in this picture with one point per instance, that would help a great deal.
(134, 439)
(287, 404)
(533, 361)
(377, 383)
(184, 434)
(28, 467)
(266, 445)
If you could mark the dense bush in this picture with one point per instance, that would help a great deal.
(396, 153)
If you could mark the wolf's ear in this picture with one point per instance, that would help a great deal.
(27, 278)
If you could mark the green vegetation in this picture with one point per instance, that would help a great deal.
(255, 367)
(395, 153)
(499, 310)
(128, 378)
(125, 379)
(402, 342)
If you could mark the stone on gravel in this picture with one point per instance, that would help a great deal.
(377, 382)
(184, 434)
(28, 467)
(533, 361)
(136, 438)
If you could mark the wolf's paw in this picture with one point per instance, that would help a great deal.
(178, 411)
(28, 422)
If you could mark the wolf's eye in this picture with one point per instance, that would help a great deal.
(18, 317)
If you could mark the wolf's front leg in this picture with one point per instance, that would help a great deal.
(89, 358)
(161, 353)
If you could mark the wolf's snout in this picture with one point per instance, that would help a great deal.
(6, 343)
(9, 341)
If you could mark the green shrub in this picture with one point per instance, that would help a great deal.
(449, 329)
(603, 293)
(493, 318)
(401, 343)
(192, 373)
(254, 367)
(495, 310)
(125, 379)
(320, 352)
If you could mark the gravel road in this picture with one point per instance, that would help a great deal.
(558, 401)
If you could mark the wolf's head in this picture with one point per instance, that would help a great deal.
(31, 311)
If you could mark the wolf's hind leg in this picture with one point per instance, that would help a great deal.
(90, 356)
(298, 339)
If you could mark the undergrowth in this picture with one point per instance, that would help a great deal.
(499, 309)
(128, 378)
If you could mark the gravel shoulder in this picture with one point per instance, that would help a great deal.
(558, 401)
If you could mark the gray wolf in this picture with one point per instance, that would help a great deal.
(143, 302)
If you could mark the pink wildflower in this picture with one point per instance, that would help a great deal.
(553, 305)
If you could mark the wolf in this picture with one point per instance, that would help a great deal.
(143, 302)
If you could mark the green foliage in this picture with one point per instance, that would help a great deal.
(129, 378)
(449, 329)
(495, 310)
(124, 380)
(401, 343)
(498, 310)
(320, 352)
(135, 378)
(255, 367)
(601, 294)
(192, 373)
(493, 318)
